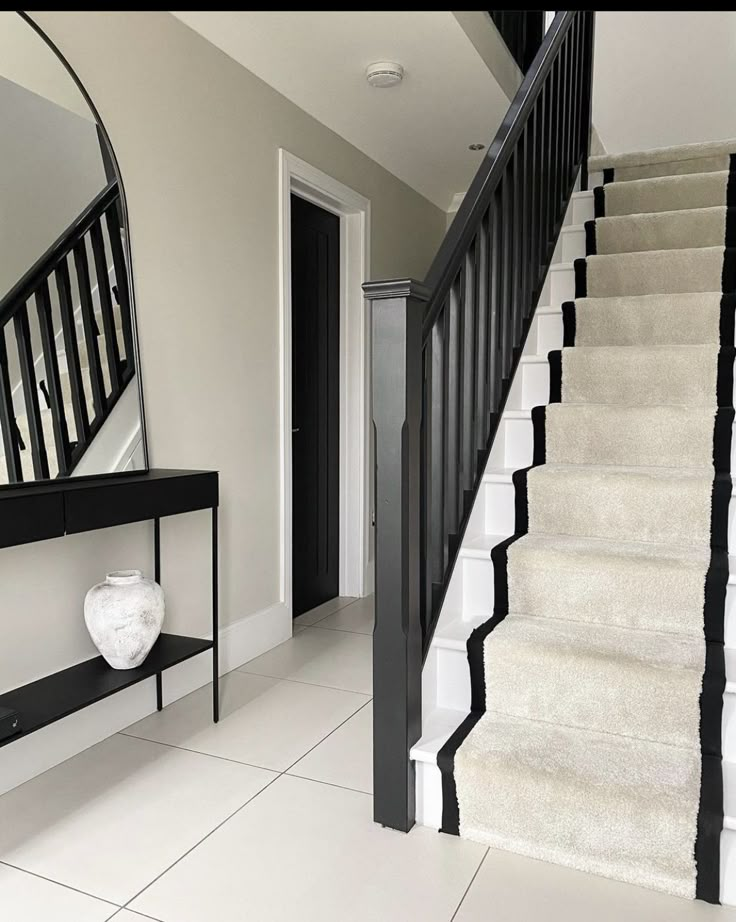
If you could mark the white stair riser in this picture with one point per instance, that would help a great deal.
(429, 795)
(570, 245)
(559, 286)
(581, 210)
(530, 387)
(545, 334)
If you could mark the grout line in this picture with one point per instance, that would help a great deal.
(341, 630)
(266, 675)
(59, 883)
(135, 912)
(334, 610)
(330, 784)
(197, 844)
(198, 752)
(472, 881)
(334, 730)
(242, 806)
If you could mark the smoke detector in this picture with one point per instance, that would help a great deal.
(384, 73)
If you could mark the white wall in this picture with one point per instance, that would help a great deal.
(50, 170)
(26, 60)
(197, 138)
(664, 78)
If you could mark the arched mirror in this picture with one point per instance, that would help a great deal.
(70, 395)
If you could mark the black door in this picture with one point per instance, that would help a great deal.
(315, 439)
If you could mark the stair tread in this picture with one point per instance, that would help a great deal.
(437, 728)
(680, 555)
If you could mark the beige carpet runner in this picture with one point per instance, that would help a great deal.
(594, 739)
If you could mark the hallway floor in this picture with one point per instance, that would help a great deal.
(267, 817)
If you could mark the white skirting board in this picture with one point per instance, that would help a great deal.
(239, 642)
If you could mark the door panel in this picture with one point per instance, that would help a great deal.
(315, 347)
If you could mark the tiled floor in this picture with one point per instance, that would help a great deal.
(267, 817)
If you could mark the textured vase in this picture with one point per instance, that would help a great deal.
(124, 616)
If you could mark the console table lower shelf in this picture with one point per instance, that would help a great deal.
(63, 693)
(56, 508)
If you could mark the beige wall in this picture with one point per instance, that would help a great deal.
(664, 78)
(197, 138)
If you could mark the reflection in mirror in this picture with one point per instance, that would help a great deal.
(69, 389)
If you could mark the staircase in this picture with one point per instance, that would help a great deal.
(66, 346)
(590, 655)
(553, 652)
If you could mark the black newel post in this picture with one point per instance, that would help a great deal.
(398, 311)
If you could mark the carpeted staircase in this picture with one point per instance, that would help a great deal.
(594, 739)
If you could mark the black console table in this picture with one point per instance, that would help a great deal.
(57, 508)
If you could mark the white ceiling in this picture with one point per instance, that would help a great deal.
(420, 130)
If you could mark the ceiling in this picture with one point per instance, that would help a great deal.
(419, 130)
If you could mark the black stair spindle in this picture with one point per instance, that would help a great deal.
(30, 394)
(112, 348)
(452, 410)
(51, 363)
(482, 408)
(71, 350)
(121, 280)
(469, 313)
(97, 384)
(8, 425)
(435, 358)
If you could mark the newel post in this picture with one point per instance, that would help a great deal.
(398, 309)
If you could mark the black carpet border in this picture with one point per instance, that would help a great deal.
(599, 202)
(710, 807)
(569, 324)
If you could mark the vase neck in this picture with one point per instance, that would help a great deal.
(124, 577)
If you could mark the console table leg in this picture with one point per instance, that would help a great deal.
(215, 623)
(157, 577)
(159, 692)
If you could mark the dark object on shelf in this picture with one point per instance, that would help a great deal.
(9, 723)
(50, 510)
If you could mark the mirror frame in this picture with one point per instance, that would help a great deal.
(7, 489)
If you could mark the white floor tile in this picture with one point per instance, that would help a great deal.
(26, 898)
(332, 658)
(520, 888)
(112, 818)
(345, 757)
(316, 614)
(356, 617)
(311, 852)
(263, 721)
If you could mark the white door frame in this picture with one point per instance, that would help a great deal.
(297, 176)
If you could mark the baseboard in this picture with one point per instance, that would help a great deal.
(239, 642)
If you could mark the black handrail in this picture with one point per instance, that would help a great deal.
(52, 272)
(452, 250)
(444, 355)
(44, 265)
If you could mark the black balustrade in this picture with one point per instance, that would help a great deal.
(444, 354)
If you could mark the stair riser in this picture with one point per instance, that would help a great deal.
(545, 334)
(570, 245)
(559, 286)
(581, 210)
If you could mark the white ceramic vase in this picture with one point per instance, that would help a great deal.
(124, 616)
